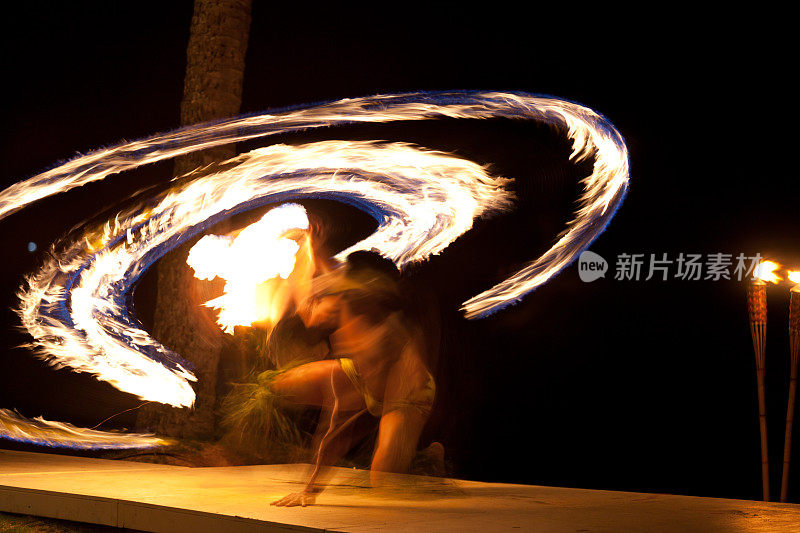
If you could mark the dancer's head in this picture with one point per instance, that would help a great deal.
(367, 284)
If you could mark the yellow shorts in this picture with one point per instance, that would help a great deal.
(421, 399)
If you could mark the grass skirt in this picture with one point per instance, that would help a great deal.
(258, 424)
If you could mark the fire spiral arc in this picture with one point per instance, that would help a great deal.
(77, 306)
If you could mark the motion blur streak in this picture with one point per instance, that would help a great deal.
(47, 433)
(76, 306)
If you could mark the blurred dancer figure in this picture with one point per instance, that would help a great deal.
(378, 367)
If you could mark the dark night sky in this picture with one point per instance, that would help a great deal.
(642, 386)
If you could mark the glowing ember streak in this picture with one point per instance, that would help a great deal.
(765, 271)
(60, 434)
(425, 201)
(259, 253)
(75, 307)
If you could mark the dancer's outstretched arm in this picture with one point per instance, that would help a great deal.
(308, 495)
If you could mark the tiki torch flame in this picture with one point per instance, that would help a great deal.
(251, 264)
(765, 271)
(794, 277)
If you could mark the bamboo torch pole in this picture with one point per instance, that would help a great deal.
(757, 306)
(794, 352)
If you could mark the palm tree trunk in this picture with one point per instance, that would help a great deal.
(212, 90)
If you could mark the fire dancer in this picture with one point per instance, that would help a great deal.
(378, 368)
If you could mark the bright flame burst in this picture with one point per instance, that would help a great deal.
(246, 262)
(76, 306)
(794, 277)
(765, 271)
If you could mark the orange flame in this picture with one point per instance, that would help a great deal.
(426, 199)
(794, 277)
(254, 265)
(765, 271)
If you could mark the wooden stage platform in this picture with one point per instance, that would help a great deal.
(177, 499)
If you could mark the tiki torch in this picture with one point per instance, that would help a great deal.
(794, 353)
(757, 306)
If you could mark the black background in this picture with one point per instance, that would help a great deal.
(634, 385)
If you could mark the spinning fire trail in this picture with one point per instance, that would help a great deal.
(76, 307)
